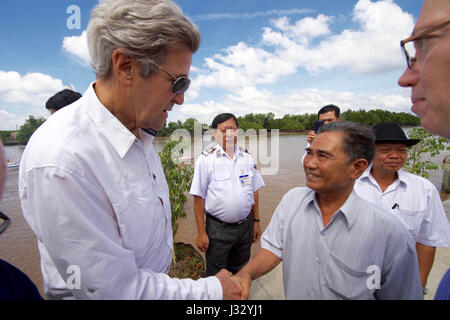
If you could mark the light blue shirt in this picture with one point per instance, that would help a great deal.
(363, 252)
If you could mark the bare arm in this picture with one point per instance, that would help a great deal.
(425, 255)
(202, 238)
(256, 224)
(263, 262)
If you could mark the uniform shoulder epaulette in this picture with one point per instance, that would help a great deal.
(208, 151)
(244, 150)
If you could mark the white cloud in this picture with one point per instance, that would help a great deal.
(77, 47)
(9, 121)
(24, 95)
(31, 88)
(298, 101)
(309, 44)
(259, 14)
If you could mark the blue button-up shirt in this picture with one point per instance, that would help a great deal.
(363, 252)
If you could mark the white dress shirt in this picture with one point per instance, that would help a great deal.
(343, 259)
(97, 199)
(227, 185)
(414, 201)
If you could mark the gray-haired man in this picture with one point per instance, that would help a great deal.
(91, 185)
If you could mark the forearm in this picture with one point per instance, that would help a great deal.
(199, 207)
(263, 262)
(255, 207)
(425, 255)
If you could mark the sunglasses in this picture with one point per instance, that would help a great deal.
(180, 84)
(4, 222)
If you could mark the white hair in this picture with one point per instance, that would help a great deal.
(147, 29)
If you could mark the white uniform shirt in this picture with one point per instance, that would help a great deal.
(414, 201)
(227, 185)
(343, 259)
(97, 199)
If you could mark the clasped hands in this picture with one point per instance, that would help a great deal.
(235, 287)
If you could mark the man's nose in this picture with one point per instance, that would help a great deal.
(409, 78)
(179, 98)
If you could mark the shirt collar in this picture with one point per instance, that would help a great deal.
(350, 209)
(401, 180)
(114, 131)
(237, 151)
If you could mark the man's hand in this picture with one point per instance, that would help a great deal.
(256, 232)
(202, 241)
(231, 286)
(311, 136)
(245, 281)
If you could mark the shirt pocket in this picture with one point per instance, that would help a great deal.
(221, 180)
(246, 182)
(411, 219)
(346, 281)
(141, 220)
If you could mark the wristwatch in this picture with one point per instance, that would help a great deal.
(424, 290)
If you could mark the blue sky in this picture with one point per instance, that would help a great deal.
(256, 56)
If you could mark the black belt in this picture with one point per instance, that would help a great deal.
(226, 223)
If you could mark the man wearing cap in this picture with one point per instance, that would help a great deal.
(412, 199)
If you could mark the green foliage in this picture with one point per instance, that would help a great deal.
(28, 128)
(419, 156)
(179, 178)
(5, 136)
(302, 122)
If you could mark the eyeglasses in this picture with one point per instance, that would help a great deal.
(180, 84)
(409, 48)
(4, 222)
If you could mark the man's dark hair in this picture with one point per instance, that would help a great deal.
(358, 142)
(222, 118)
(328, 108)
(62, 99)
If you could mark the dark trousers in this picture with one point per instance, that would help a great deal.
(229, 246)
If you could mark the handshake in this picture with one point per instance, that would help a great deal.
(234, 287)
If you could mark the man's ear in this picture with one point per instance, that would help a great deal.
(358, 167)
(123, 66)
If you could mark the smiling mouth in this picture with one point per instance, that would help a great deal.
(311, 176)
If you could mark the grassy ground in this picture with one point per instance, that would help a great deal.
(189, 262)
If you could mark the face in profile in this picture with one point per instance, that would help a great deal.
(429, 76)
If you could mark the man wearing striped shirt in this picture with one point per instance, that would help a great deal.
(412, 199)
(334, 244)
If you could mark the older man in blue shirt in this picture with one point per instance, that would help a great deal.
(335, 245)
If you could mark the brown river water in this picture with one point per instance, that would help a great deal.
(18, 245)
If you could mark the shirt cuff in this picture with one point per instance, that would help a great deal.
(215, 291)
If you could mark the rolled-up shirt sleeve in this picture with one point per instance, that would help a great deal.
(76, 223)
